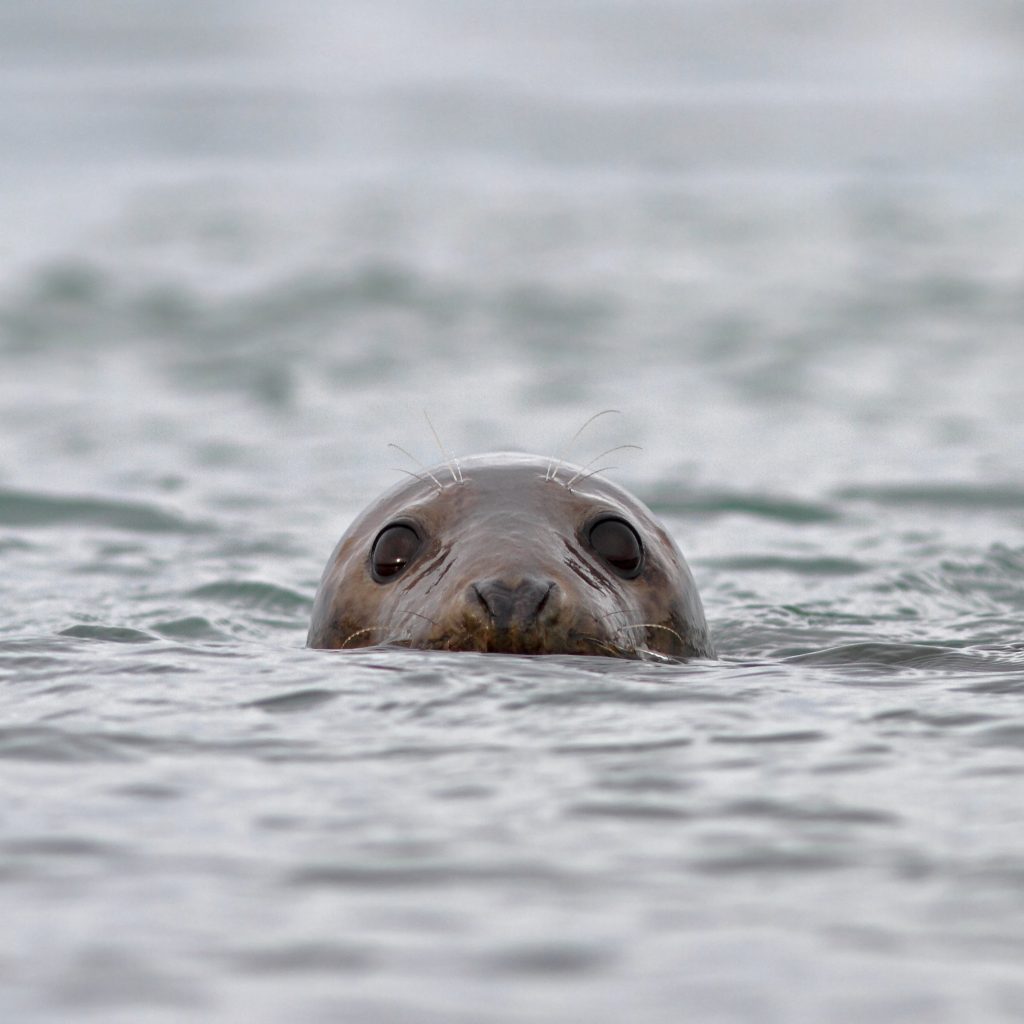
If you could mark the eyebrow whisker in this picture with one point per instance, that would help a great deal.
(555, 464)
(408, 454)
(453, 463)
(617, 448)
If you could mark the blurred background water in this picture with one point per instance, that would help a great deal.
(244, 245)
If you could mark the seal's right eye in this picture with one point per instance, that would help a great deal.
(394, 548)
(619, 545)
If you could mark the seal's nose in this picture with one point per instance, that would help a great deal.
(513, 605)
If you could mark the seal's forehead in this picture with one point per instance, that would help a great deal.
(510, 473)
(500, 479)
(503, 482)
(507, 481)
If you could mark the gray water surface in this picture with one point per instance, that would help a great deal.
(243, 248)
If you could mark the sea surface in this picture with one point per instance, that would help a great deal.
(244, 246)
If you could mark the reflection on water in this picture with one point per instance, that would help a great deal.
(244, 248)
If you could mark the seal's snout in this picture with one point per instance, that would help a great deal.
(514, 605)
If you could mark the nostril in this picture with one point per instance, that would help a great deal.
(513, 604)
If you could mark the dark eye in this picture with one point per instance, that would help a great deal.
(394, 548)
(618, 544)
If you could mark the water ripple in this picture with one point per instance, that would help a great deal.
(254, 595)
(716, 503)
(295, 700)
(943, 496)
(112, 634)
(24, 508)
(869, 655)
(41, 743)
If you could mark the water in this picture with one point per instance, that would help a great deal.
(242, 250)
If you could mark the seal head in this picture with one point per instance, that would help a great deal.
(510, 559)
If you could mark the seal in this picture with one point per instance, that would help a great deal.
(513, 554)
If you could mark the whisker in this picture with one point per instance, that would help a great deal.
(427, 618)
(371, 629)
(605, 645)
(556, 463)
(359, 632)
(408, 472)
(634, 647)
(452, 462)
(594, 472)
(655, 625)
(646, 654)
(626, 626)
(398, 641)
(617, 448)
(408, 454)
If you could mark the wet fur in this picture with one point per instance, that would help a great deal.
(509, 517)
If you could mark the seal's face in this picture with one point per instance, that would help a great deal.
(510, 560)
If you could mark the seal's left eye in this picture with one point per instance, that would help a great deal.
(618, 544)
(394, 548)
